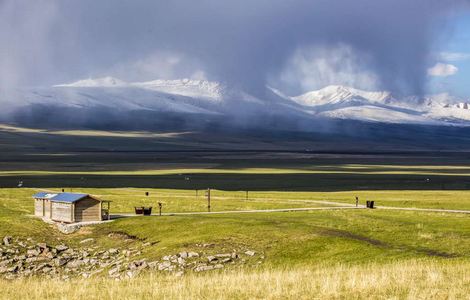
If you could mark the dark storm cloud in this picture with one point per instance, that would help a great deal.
(242, 42)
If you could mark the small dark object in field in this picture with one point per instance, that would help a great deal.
(370, 204)
(146, 193)
(160, 205)
(147, 211)
(139, 210)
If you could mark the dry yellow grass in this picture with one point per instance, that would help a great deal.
(402, 280)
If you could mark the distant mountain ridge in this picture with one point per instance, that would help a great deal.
(208, 98)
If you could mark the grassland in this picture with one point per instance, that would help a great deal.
(400, 280)
(318, 254)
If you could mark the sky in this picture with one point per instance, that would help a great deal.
(455, 55)
(408, 47)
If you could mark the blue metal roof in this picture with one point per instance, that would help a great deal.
(40, 195)
(68, 197)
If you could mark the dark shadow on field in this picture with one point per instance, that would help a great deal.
(330, 232)
(251, 182)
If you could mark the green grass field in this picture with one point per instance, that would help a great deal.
(342, 254)
(300, 237)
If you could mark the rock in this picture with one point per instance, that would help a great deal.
(7, 240)
(203, 268)
(68, 229)
(183, 254)
(32, 252)
(86, 241)
(61, 248)
(22, 244)
(193, 254)
(226, 260)
(223, 255)
(179, 273)
(42, 246)
(73, 264)
(250, 253)
(31, 259)
(60, 261)
(113, 271)
(167, 257)
(211, 258)
(181, 261)
(146, 244)
(164, 265)
(130, 274)
(113, 251)
(218, 266)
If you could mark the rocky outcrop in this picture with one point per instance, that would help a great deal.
(20, 258)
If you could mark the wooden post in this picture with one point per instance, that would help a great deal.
(160, 208)
(208, 194)
(72, 212)
(109, 214)
(357, 201)
(246, 195)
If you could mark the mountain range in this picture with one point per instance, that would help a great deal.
(213, 99)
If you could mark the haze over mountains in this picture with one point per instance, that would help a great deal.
(193, 100)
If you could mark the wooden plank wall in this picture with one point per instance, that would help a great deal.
(87, 209)
(62, 212)
(47, 209)
(38, 207)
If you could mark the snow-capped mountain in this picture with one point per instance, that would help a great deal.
(349, 103)
(216, 99)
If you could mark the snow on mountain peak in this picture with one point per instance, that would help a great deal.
(97, 82)
(336, 93)
(186, 87)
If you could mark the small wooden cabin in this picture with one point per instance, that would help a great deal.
(70, 207)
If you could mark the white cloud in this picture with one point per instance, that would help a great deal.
(454, 56)
(316, 67)
(443, 70)
(159, 65)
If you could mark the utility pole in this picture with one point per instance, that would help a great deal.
(208, 195)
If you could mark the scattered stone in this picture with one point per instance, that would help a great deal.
(68, 228)
(26, 258)
(212, 258)
(61, 248)
(203, 268)
(164, 265)
(74, 264)
(7, 240)
(250, 253)
(60, 261)
(113, 271)
(223, 255)
(33, 252)
(42, 246)
(85, 241)
(193, 254)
